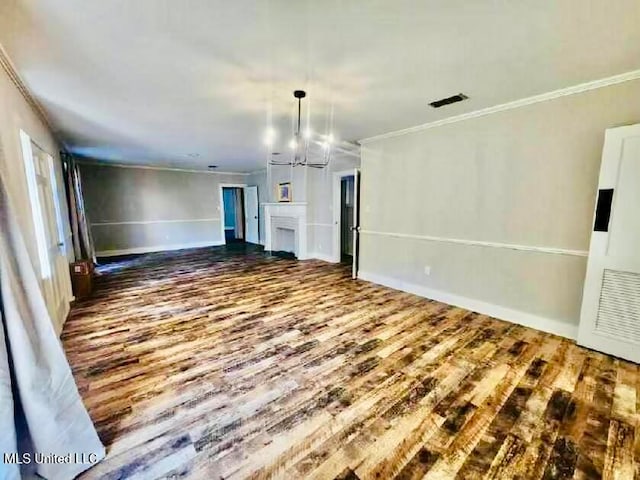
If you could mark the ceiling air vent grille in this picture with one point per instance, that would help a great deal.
(449, 100)
(619, 308)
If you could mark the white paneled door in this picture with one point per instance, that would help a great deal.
(610, 316)
(252, 234)
(48, 227)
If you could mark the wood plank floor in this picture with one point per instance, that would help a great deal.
(216, 363)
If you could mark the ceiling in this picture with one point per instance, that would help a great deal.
(195, 82)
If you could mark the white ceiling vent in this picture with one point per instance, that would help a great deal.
(449, 100)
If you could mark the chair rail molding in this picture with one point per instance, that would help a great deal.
(149, 222)
(480, 243)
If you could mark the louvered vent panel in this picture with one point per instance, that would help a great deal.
(619, 309)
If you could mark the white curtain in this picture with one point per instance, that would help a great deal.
(34, 370)
(81, 233)
(7, 425)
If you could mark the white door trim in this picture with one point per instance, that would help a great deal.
(246, 217)
(337, 214)
(356, 222)
(47, 219)
(221, 186)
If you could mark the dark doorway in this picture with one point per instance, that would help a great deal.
(233, 199)
(346, 218)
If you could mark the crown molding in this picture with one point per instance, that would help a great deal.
(94, 163)
(563, 92)
(12, 72)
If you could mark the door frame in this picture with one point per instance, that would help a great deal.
(246, 218)
(357, 180)
(337, 213)
(221, 210)
(53, 272)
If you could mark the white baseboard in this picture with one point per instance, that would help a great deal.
(322, 256)
(544, 324)
(157, 248)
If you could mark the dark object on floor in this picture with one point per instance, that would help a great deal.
(82, 278)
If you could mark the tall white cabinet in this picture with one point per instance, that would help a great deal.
(610, 315)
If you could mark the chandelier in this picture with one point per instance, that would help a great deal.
(307, 148)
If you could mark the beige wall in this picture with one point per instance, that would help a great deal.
(298, 178)
(143, 209)
(320, 215)
(132, 210)
(526, 176)
(267, 187)
(313, 186)
(15, 115)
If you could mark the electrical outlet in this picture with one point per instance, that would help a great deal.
(427, 270)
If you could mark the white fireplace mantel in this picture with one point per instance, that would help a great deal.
(295, 214)
(284, 204)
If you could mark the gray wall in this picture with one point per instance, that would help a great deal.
(142, 209)
(310, 185)
(320, 210)
(267, 191)
(267, 187)
(526, 176)
(298, 178)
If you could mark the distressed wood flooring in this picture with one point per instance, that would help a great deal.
(214, 363)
